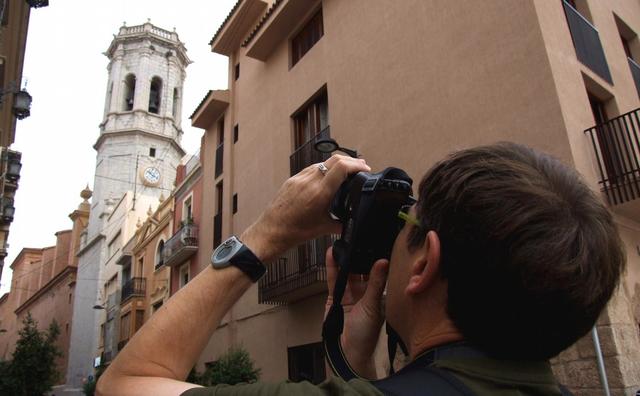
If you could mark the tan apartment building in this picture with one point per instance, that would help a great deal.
(43, 284)
(15, 104)
(405, 83)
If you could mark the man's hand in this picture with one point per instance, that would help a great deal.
(364, 313)
(300, 210)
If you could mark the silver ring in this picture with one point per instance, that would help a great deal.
(323, 168)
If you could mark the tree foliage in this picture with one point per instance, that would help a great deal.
(232, 368)
(32, 368)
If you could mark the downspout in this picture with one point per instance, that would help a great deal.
(601, 369)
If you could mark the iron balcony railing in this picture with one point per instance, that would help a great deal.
(300, 273)
(617, 147)
(217, 230)
(586, 41)
(219, 159)
(306, 154)
(133, 287)
(180, 246)
(635, 72)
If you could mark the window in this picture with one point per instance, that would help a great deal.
(125, 326)
(307, 38)
(187, 214)
(236, 71)
(152, 152)
(235, 203)
(159, 258)
(139, 319)
(176, 97)
(306, 363)
(183, 277)
(235, 133)
(221, 131)
(154, 95)
(607, 142)
(129, 91)
(219, 195)
(5, 12)
(114, 245)
(70, 297)
(311, 119)
(1, 77)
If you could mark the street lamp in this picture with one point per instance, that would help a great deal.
(21, 101)
(328, 146)
(38, 3)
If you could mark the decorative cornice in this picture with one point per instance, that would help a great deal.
(127, 132)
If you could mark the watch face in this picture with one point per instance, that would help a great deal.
(151, 175)
(223, 253)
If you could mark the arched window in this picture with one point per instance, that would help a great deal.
(155, 94)
(159, 258)
(129, 91)
(176, 96)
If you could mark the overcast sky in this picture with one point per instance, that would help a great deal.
(66, 74)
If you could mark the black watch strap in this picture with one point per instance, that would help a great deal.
(248, 263)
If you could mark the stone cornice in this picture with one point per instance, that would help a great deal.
(129, 132)
(91, 243)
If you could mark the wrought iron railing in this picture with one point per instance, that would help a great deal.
(133, 287)
(299, 273)
(217, 230)
(617, 148)
(181, 245)
(306, 154)
(635, 72)
(586, 41)
(219, 159)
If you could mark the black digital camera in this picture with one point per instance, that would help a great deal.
(367, 205)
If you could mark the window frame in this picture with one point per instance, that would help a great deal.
(307, 37)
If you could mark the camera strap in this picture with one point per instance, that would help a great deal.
(333, 325)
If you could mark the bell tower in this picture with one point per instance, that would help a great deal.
(138, 148)
(138, 151)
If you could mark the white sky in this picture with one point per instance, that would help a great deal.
(67, 77)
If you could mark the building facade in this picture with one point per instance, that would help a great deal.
(406, 85)
(138, 150)
(15, 104)
(43, 285)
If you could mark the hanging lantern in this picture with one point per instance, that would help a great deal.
(22, 104)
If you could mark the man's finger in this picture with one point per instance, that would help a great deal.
(340, 169)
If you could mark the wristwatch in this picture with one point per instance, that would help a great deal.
(234, 252)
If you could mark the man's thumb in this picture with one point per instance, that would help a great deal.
(377, 281)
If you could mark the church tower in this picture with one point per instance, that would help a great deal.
(138, 151)
(138, 148)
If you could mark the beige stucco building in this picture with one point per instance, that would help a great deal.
(405, 84)
(43, 284)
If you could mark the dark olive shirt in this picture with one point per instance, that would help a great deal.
(482, 375)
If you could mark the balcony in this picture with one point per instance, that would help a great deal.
(181, 246)
(217, 230)
(306, 154)
(635, 72)
(134, 287)
(617, 147)
(299, 274)
(586, 41)
(219, 159)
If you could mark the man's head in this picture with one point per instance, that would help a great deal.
(529, 254)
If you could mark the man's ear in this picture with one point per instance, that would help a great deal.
(426, 264)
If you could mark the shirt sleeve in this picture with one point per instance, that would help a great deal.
(330, 387)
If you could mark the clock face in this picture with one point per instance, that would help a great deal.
(151, 175)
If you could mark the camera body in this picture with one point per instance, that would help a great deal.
(367, 204)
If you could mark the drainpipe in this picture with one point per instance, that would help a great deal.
(601, 369)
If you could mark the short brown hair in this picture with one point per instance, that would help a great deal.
(531, 255)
